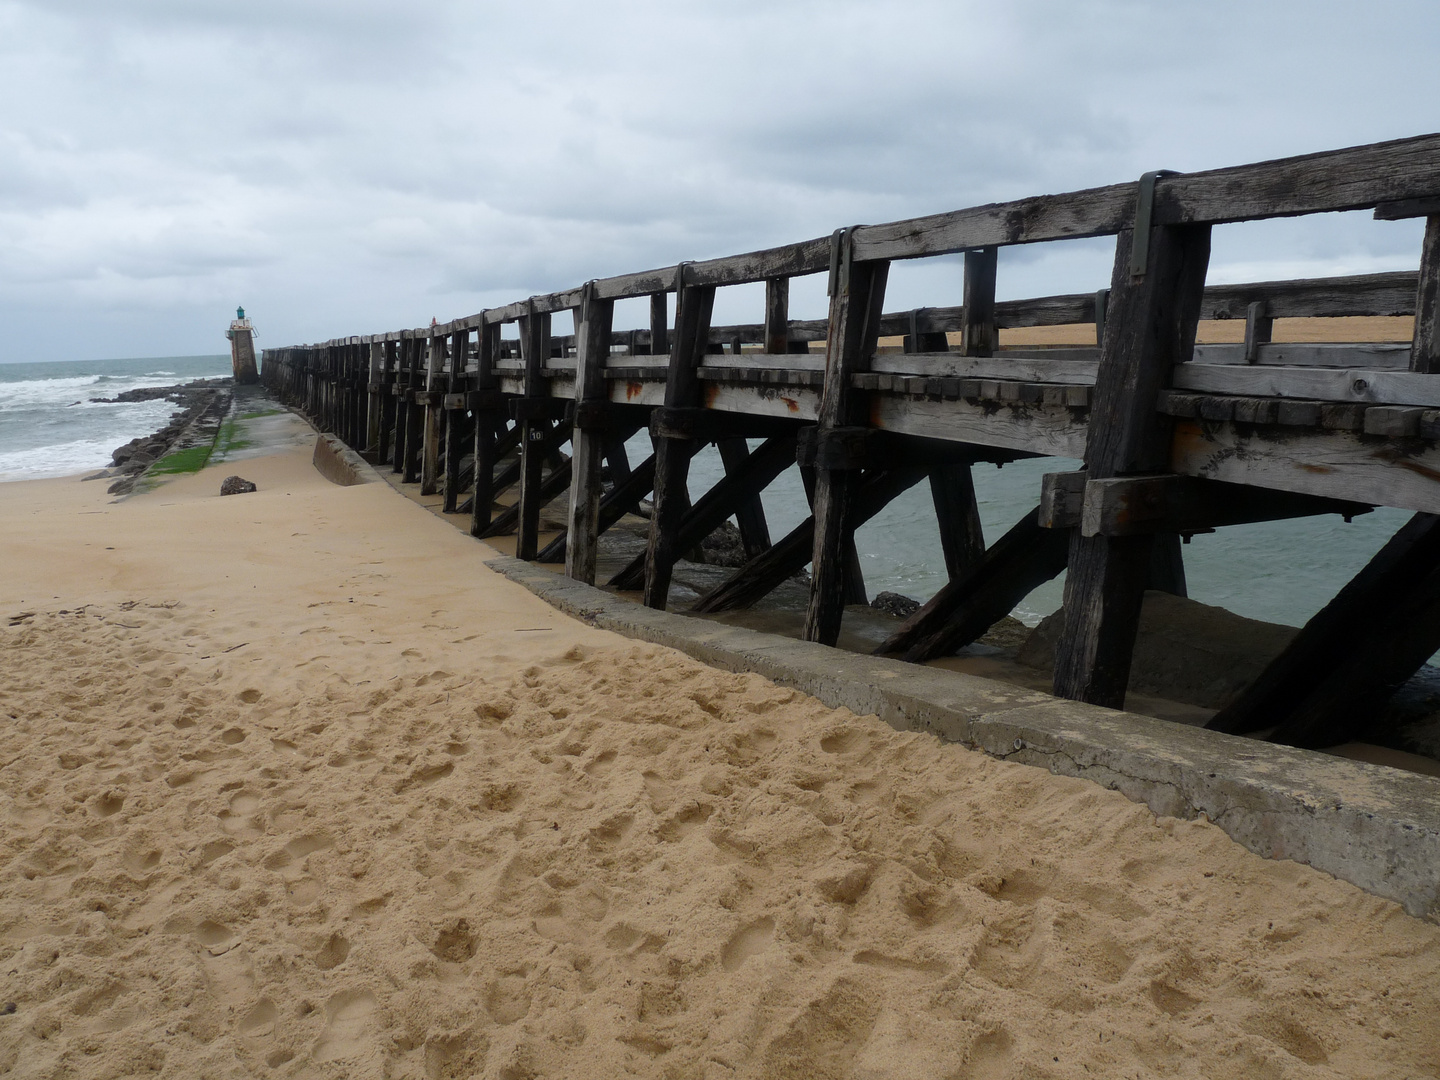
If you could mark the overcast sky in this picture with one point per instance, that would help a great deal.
(348, 166)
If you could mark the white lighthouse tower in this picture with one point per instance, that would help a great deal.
(242, 349)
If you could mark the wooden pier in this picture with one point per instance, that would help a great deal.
(1176, 438)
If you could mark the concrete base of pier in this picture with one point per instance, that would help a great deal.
(1375, 827)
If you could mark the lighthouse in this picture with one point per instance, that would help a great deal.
(242, 349)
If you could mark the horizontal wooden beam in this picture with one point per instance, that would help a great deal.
(1357, 178)
(1134, 505)
(1334, 464)
(1373, 357)
(1315, 384)
(1044, 430)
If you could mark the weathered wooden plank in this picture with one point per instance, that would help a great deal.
(1332, 464)
(1150, 328)
(1170, 503)
(1371, 357)
(1323, 384)
(1046, 430)
(1004, 366)
(1356, 178)
(791, 260)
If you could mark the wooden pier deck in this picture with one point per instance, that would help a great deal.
(1176, 438)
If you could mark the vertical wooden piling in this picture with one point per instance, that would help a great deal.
(434, 385)
(535, 350)
(1151, 327)
(777, 316)
(978, 335)
(659, 323)
(1425, 347)
(592, 349)
(857, 296)
(456, 419)
(488, 418)
(694, 305)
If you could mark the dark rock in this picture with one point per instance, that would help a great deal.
(140, 458)
(235, 485)
(894, 603)
(723, 547)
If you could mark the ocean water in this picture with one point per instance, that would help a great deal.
(1281, 571)
(1278, 571)
(50, 427)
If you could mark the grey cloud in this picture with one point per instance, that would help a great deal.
(344, 166)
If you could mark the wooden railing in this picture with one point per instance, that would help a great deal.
(1174, 437)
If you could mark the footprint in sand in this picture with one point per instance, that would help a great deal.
(217, 938)
(333, 953)
(259, 1021)
(456, 943)
(109, 803)
(749, 941)
(346, 1018)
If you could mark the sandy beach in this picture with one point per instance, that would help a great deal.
(294, 785)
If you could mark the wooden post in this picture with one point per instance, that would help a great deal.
(434, 384)
(414, 413)
(659, 321)
(1425, 348)
(487, 417)
(1258, 328)
(920, 340)
(952, 488)
(694, 305)
(384, 447)
(1151, 327)
(978, 335)
(857, 296)
(456, 420)
(402, 402)
(535, 350)
(777, 316)
(592, 349)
